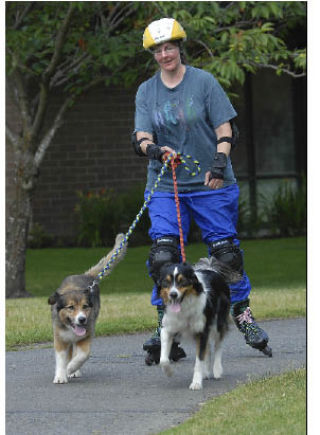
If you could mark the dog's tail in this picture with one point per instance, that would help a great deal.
(99, 267)
(228, 274)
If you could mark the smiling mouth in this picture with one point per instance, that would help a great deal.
(174, 306)
(80, 331)
(166, 61)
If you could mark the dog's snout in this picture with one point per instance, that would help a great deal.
(82, 320)
(173, 294)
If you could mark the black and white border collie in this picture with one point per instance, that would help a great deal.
(197, 304)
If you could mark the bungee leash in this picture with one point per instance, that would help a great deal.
(172, 161)
(174, 164)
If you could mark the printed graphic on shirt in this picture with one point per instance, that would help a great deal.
(174, 112)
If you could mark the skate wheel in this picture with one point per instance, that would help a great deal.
(156, 359)
(267, 351)
(148, 360)
(152, 358)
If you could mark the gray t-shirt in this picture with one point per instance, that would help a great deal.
(184, 118)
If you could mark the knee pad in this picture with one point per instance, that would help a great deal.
(228, 253)
(164, 250)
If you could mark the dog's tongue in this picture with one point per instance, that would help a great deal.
(175, 308)
(79, 330)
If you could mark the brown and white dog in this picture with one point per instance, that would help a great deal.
(75, 308)
(197, 304)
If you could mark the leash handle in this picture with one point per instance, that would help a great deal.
(174, 164)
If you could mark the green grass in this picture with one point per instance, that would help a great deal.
(274, 263)
(277, 270)
(274, 406)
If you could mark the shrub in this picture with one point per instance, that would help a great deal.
(101, 215)
(38, 237)
(250, 221)
(131, 202)
(98, 217)
(287, 210)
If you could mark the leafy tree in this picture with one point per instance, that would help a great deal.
(70, 47)
(231, 39)
(65, 47)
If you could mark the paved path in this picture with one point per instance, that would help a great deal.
(118, 394)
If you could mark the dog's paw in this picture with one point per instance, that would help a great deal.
(207, 374)
(76, 374)
(195, 385)
(60, 379)
(73, 368)
(217, 371)
(166, 368)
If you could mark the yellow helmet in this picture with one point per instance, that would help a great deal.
(166, 29)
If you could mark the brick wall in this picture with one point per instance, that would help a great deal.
(91, 150)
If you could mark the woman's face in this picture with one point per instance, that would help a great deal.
(167, 56)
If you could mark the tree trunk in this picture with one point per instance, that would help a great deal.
(17, 225)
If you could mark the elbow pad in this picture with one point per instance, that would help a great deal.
(235, 135)
(136, 144)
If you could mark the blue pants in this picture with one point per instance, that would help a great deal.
(214, 211)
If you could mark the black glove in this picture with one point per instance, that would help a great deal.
(218, 166)
(154, 152)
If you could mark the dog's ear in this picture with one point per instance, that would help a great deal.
(187, 268)
(53, 298)
(195, 282)
(164, 270)
(188, 271)
(91, 292)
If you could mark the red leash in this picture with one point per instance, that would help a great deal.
(174, 164)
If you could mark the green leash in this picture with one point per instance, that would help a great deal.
(193, 172)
